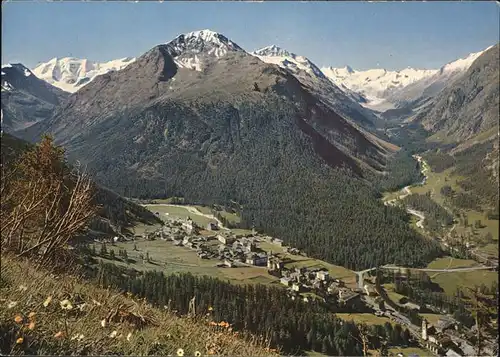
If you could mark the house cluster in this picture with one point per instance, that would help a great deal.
(301, 280)
(243, 249)
(444, 338)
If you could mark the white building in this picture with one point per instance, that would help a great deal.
(322, 275)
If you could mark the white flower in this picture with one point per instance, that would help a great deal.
(180, 352)
(12, 304)
(197, 353)
(113, 334)
(129, 336)
(103, 323)
(66, 305)
(78, 337)
(47, 301)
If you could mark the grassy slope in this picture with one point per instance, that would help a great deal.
(450, 263)
(368, 319)
(163, 333)
(451, 281)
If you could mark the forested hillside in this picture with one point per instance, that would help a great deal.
(115, 212)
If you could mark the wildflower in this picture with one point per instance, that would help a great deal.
(31, 315)
(180, 352)
(113, 334)
(211, 352)
(103, 323)
(11, 304)
(197, 353)
(47, 301)
(59, 334)
(18, 319)
(81, 306)
(23, 288)
(31, 325)
(210, 308)
(129, 336)
(66, 305)
(20, 340)
(78, 337)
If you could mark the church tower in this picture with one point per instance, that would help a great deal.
(424, 329)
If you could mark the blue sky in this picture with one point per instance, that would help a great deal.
(391, 35)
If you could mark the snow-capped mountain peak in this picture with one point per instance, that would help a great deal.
(288, 60)
(10, 73)
(462, 64)
(273, 51)
(70, 74)
(194, 50)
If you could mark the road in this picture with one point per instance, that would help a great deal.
(361, 273)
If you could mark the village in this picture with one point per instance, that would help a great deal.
(230, 250)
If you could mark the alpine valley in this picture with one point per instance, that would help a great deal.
(264, 159)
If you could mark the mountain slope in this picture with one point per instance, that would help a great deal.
(70, 74)
(464, 120)
(430, 86)
(25, 98)
(469, 105)
(342, 100)
(236, 128)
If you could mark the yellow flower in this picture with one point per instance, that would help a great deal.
(59, 334)
(18, 319)
(180, 352)
(197, 353)
(210, 308)
(20, 340)
(11, 304)
(47, 301)
(31, 325)
(66, 305)
(103, 323)
(129, 336)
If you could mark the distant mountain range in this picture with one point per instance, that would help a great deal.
(377, 89)
(70, 74)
